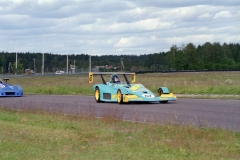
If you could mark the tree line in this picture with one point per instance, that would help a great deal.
(209, 56)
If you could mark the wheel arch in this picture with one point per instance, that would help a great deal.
(99, 86)
(103, 89)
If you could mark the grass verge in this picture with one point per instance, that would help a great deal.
(38, 135)
(203, 84)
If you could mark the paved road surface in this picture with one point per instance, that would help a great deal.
(198, 112)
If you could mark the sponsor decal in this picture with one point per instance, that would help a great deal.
(114, 96)
(148, 95)
(135, 87)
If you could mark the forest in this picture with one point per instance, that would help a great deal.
(209, 56)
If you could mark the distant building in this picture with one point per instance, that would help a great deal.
(95, 69)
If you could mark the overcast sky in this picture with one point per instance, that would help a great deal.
(115, 27)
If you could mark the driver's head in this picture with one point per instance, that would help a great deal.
(115, 79)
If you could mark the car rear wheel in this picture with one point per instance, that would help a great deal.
(97, 95)
(163, 101)
(119, 97)
(160, 91)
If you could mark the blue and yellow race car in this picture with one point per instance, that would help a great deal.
(123, 92)
(8, 90)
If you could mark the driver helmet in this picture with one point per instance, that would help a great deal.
(115, 79)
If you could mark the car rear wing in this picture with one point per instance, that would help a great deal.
(5, 79)
(90, 75)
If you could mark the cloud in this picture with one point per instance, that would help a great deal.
(222, 14)
(124, 42)
(205, 15)
(115, 27)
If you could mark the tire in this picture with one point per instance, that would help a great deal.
(97, 95)
(160, 91)
(119, 97)
(163, 101)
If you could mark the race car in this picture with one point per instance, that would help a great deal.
(8, 90)
(123, 92)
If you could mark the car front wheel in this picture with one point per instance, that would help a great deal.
(163, 101)
(97, 95)
(119, 97)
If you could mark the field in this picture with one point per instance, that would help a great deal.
(205, 84)
(40, 135)
(26, 135)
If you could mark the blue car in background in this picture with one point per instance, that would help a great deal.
(8, 90)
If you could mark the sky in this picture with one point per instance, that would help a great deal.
(115, 27)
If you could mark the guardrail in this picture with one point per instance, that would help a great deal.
(39, 74)
(137, 72)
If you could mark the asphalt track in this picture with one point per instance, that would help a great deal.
(211, 113)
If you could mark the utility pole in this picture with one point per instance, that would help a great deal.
(16, 58)
(122, 65)
(74, 67)
(67, 63)
(90, 63)
(16, 64)
(34, 65)
(43, 57)
(9, 67)
(67, 55)
(43, 63)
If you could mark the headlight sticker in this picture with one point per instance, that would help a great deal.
(2, 86)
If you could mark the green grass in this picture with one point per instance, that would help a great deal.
(54, 136)
(215, 83)
(39, 135)
(55, 84)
